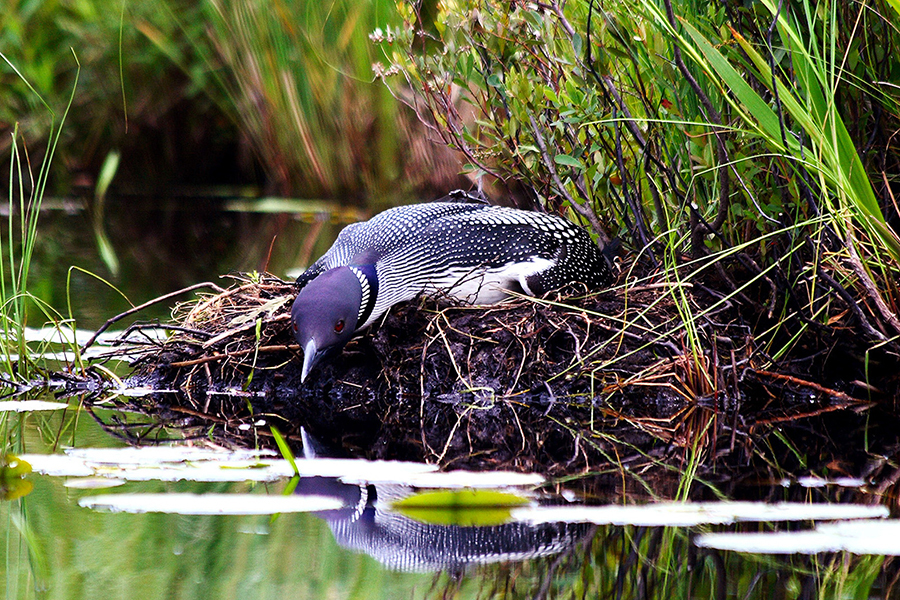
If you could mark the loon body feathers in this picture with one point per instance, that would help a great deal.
(471, 252)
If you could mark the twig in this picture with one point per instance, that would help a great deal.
(808, 384)
(633, 202)
(811, 413)
(151, 326)
(136, 309)
(851, 304)
(871, 288)
(215, 357)
(452, 433)
(250, 325)
(578, 207)
(197, 413)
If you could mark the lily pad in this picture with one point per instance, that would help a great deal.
(879, 537)
(687, 514)
(30, 405)
(467, 507)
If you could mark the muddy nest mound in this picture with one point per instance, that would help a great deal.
(637, 377)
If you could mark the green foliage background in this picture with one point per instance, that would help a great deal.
(276, 93)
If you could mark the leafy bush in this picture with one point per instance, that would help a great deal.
(688, 129)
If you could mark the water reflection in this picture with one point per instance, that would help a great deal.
(366, 524)
(366, 506)
(548, 547)
(164, 245)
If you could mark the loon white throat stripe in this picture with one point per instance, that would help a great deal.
(366, 293)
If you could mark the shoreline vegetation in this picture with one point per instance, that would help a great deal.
(744, 158)
(692, 133)
(759, 266)
(743, 155)
(601, 386)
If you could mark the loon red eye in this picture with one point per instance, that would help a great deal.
(339, 326)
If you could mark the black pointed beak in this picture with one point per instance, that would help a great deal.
(311, 356)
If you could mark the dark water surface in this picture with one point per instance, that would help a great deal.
(62, 539)
(166, 246)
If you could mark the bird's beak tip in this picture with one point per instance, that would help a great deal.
(309, 359)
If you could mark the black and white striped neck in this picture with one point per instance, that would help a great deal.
(368, 281)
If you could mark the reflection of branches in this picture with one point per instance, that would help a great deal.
(134, 434)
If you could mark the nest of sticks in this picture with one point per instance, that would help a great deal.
(628, 379)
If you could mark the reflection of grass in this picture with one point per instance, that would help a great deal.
(633, 562)
(105, 555)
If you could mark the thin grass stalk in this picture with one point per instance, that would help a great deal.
(15, 162)
(15, 296)
(297, 79)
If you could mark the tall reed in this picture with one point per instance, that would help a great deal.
(297, 78)
(26, 194)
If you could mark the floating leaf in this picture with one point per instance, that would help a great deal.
(689, 514)
(466, 507)
(12, 477)
(860, 537)
(209, 504)
(30, 405)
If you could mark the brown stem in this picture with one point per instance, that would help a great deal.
(581, 209)
(136, 309)
(713, 115)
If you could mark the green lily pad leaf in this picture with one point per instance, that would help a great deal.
(465, 507)
(13, 467)
(15, 488)
(12, 477)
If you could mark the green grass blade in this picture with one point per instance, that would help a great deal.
(284, 449)
(762, 112)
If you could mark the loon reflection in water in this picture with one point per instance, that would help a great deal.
(404, 544)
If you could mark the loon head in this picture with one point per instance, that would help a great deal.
(325, 314)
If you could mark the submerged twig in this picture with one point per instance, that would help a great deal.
(808, 384)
